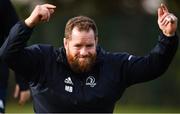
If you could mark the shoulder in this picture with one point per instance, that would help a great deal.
(42, 50)
(117, 56)
(114, 57)
(40, 47)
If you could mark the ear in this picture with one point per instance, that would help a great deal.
(65, 43)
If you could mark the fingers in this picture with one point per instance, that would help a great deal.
(163, 17)
(46, 11)
(51, 11)
(24, 97)
(167, 18)
(167, 21)
(41, 13)
(45, 15)
(49, 6)
(16, 91)
(160, 12)
(48, 16)
(164, 8)
(171, 18)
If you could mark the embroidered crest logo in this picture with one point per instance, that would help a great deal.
(90, 81)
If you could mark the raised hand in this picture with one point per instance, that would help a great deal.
(167, 21)
(41, 13)
(23, 96)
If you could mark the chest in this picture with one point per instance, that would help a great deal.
(62, 90)
(97, 86)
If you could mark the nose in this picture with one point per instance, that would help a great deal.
(83, 52)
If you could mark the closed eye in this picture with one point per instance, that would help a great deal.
(78, 45)
(89, 45)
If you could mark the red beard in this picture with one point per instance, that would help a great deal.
(81, 64)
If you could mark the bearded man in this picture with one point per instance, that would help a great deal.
(81, 76)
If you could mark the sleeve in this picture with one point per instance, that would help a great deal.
(23, 84)
(142, 69)
(23, 60)
(8, 18)
(4, 75)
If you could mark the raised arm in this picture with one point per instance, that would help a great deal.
(25, 60)
(141, 69)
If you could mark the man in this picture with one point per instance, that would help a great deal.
(81, 76)
(7, 20)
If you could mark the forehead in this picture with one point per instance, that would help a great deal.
(86, 36)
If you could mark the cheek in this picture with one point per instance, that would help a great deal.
(93, 51)
(71, 49)
(73, 52)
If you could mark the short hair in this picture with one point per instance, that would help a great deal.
(83, 23)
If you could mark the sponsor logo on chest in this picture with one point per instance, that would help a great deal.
(68, 84)
(90, 81)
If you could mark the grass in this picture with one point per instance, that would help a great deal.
(14, 108)
(145, 109)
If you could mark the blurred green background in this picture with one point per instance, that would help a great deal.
(124, 25)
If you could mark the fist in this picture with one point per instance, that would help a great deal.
(167, 21)
(41, 13)
(23, 96)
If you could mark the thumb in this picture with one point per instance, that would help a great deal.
(16, 91)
